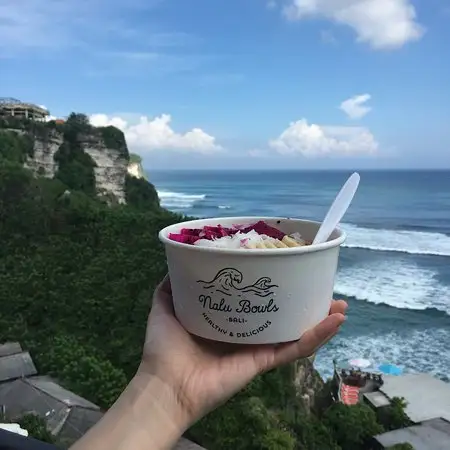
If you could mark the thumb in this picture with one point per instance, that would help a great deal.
(162, 298)
(310, 342)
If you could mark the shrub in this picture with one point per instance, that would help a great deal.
(36, 428)
(352, 426)
(393, 417)
(403, 446)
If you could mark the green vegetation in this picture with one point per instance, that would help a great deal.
(76, 279)
(35, 129)
(352, 427)
(36, 428)
(135, 158)
(35, 425)
(115, 139)
(404, 446)
(15, 147)
(394, 417)
(140, 193)
(75, 167)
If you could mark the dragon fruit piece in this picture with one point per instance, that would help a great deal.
(183, 238)
(190, 231)
(262, 227)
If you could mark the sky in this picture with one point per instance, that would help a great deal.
(246, 84)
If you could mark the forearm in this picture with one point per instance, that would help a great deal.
(146, 416)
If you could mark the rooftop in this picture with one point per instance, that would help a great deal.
(430, 435)
(9, 101)
(10, 348)
(68, 415)
(427, 396)
(15, 366)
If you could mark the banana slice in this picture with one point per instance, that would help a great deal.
(291, 242)
(287, 242)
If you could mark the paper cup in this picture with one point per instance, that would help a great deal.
(257, 296)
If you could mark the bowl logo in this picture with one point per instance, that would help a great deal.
(227, 293)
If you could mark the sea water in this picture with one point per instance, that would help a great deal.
(394, 268)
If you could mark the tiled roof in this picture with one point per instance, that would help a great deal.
(16, 366)
(68, 415)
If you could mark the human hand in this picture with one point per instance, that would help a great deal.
(202, 374)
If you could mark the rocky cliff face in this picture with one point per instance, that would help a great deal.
(93, 159)
(308, 383)
(136, 170)
(110, 167)
(43, 163)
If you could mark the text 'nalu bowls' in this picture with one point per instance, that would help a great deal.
(252, 296)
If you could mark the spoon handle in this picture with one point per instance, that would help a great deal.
(337, 209)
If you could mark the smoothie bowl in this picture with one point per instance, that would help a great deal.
(250, 280)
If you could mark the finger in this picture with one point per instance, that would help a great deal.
(162, 298)
(338, 306)
(165, 285)
(310, 341)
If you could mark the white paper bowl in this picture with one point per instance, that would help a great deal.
(257, 296)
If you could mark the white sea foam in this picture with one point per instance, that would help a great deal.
(400, 284)
(414, 351)
(413, 242)
(179, 200)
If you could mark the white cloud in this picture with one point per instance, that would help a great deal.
(383, 24)
(157, 134)
(355, 107)
(316, 140)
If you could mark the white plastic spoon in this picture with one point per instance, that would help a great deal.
(337, 209)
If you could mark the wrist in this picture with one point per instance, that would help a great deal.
(159, 399)
(146, 416)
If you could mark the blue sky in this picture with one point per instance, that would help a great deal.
(242, 83)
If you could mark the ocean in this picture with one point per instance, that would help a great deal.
(394, 268)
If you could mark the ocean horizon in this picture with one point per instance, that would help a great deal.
(394, 267)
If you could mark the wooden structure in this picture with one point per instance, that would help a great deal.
(11, 107)
(351, 385)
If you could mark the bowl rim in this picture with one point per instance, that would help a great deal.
(163, 237)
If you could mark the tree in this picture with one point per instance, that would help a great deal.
(15, 147)
(36, 428)
(115, 139)
(244, 423)
(82, 369)
(140, 193)
(403, 446)
(393, 417)
(352, 426)
(78, 123)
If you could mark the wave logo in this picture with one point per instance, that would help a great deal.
(229, 282)
(236, 309)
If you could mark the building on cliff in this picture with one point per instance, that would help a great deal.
(67, 415)
(11, 107)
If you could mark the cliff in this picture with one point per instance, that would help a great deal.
(135, 168)
(309, 384)
(60, 151)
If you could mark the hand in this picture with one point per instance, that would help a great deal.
(203, 374)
